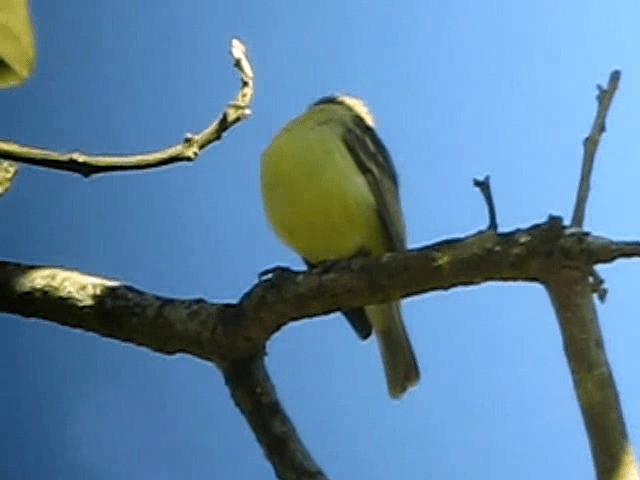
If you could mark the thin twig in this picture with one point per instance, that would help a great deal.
(188, 150)
(590, 146)
(484, 186)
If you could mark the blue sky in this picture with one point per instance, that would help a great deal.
(459, 89)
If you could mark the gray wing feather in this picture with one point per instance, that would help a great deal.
(374, 161)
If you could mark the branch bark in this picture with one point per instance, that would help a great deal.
(571, 295)
(255, 396)
(571, 286)
(221, 332)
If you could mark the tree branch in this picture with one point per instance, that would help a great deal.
(221, 332)
(604, 250)
(255, 396)
(188, 150)
(108, 308)
(571, 295)
(590, 146)
(484, 186)
(571, 285)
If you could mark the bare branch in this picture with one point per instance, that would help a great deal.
(571, 283)
(188, 150)
(108, 308)
(571, 295)
(255, 396)
(228, 334)
(590, 145)
(604, 250)
(220, 332)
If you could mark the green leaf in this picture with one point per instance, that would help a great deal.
(17, 44)
(8, 170)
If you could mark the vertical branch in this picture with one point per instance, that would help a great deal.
(255, 396)
(484, 186)
(571, 290)
(590, 145)
(571, 295)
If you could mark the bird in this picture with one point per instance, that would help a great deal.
(330, 192)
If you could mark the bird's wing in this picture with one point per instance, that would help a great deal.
(356, 317)
(374, 161)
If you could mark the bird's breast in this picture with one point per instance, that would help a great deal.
(316, 198)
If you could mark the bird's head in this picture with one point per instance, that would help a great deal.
(355, 104)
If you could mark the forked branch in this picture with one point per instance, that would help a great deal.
(571, 288)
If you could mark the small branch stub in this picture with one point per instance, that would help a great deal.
(484, 186)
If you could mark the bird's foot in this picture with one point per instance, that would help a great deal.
(276, 270)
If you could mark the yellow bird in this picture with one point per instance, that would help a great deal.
(330, 192)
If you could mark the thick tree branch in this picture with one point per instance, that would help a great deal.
(255, 396)
(188, 150)
(220, 332)
(590, 146)
(571, 295)
(108, 308)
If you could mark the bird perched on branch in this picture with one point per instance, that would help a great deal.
(330, 192)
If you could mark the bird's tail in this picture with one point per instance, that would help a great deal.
(400, 365)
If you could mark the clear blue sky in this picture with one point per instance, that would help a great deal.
(460, 89)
